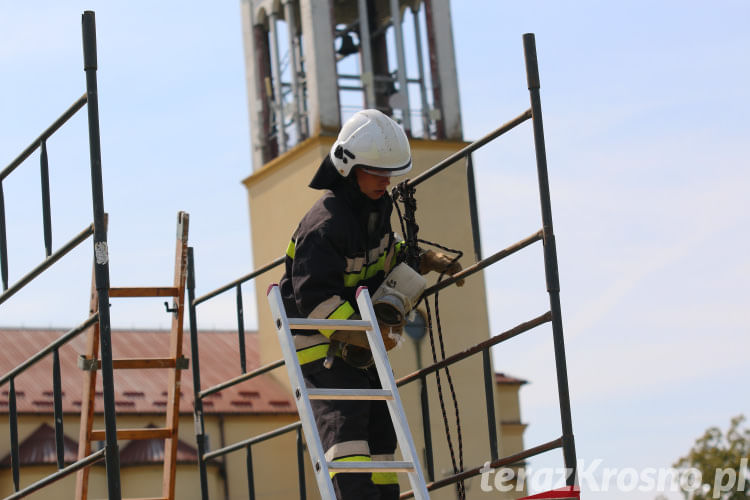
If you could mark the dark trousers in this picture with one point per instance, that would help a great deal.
(348, 428)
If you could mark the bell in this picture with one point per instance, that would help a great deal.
(347, 45)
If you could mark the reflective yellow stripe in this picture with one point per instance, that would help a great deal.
(312, 353)
(352, 279)
(384, 478)
(353, 458)
(399, 246)
(344, 311)
(290, 249)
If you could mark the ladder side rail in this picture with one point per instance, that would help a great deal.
(550, 259)
(175, 352)
(387, 382)
(315, 447)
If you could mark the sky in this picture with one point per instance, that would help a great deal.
(645, 111)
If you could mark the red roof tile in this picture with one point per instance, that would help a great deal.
(40, 448)
(139, 391)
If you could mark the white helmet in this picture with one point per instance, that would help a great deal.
(373, 141)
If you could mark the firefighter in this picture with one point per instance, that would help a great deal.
(343, 242)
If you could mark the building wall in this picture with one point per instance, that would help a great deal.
(273, 462)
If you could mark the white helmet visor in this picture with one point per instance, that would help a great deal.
(387, 172)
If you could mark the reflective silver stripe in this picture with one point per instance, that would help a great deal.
(356, 264)
(325, 308)
(305, 341)
(347, 448)
(383, 458)
(376, 252)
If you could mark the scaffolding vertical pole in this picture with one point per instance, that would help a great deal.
(425, 113)
(401, 58)
(368, 76)
(301, 465)
(57, 397)
(46, 222)
(550, 259)
(241, 328)
(291, 25)
(200, 435)
(13, 416)
(3, 241)
(101, 256)
(278, 98)
(473, 210)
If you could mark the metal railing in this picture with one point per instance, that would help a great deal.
(101, 276)
(553, 316)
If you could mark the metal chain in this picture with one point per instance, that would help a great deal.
(460, 484)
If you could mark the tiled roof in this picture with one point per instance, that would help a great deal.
(40, 448)
(151, 451)
(502, 378)
(140, 391)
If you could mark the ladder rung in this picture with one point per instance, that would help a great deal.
(159, 291)
(329, 324)
(387, 466)
(155, 433)
(134, 363)
(354, 394)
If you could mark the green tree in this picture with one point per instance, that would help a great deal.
(723, 463)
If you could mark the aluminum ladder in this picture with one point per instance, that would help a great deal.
(389, 393)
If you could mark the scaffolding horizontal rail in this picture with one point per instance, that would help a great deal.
(77, 240)
(50, 348)
(75, 466)
(477, 348)
(241, 378)
(253, 440)
(501, 462)
(478, 266)
(67, 115)
(277, 262)
(471, 148)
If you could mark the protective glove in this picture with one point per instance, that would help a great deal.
(389, 330)
(439, 262)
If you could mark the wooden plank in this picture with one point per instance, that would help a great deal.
(142, 363)
(155, 433)
(134, 363)
(160, 291)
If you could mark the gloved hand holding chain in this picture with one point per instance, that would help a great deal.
(431, 260)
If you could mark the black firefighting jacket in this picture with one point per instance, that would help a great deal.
(343, 242)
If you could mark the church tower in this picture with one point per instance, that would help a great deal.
(311, 64)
